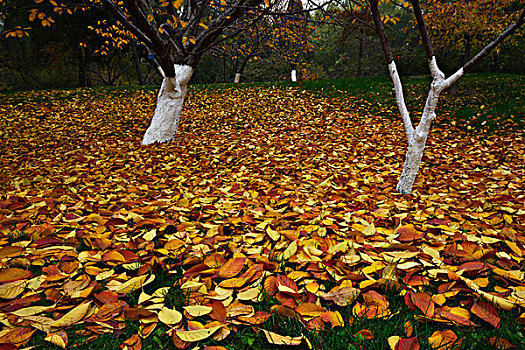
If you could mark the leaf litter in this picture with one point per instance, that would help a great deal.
(264, 193)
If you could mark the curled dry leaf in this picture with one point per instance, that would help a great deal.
(342, 296)
(58, 338)
(277, 339)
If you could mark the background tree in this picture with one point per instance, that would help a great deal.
(459, 27)
(246, 46)
(178, 34)
(291, 34)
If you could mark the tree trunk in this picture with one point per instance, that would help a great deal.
(136, 63)
(82, 81)
(416, 148)
(417, 138)
(237, 77)
(171, 96)
(294, 75)
(360, 56)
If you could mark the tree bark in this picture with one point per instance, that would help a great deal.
(360, 56)
(294, 75)
(170, 100)
(136, 62)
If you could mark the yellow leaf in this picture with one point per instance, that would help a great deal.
(392, 341)
(196, 335)
(143, 297)
(289, 251)
(58, 338)
(370, 230)
(32, 310)
(443, 340)
(169, 316)
(274, 235)
(12, 290)
(198, 310)
(72, 317)
(250, 294)
(310, 310)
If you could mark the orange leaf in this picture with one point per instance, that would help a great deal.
(218, 312)
(232, 267)
(444, 340)
(334, 318)
(310, 310)
(424, 302)
(258, 318)
(17, 335)
(486, 312)
(270, 285)
(132, 343)
(373, 298)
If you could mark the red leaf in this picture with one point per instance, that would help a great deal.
(407, 344)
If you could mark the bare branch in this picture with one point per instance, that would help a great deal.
(418, 13)
(487, 49)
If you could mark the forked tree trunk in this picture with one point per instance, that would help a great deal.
(170, 100)
(417, 138)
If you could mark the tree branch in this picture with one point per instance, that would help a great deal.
(398, 87)
(418, 13)
(487, 49)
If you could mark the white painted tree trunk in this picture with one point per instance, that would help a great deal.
(170, 100)
(237, 77)
(294, 75)
(417, 138)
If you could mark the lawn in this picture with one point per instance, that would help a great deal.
(271, 219)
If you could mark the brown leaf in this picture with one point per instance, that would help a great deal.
(501, 343)
(13, 274)
(132, 343)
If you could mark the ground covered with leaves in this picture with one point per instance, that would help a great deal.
(272, 220)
